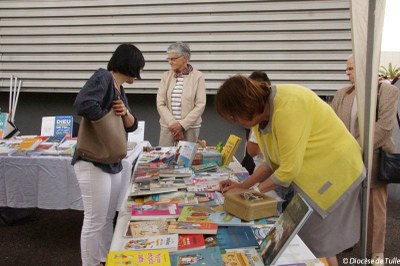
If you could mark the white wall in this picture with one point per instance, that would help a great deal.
(390, 57)
(54, 46)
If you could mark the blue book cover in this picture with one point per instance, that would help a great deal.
(208, 256)
(185, 152)
(63, 126)
(236, 237)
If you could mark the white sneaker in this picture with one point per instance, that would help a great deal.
(377, 259)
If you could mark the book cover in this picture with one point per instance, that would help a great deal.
(144, 190)
(3, 120)
(192, 228)
(205, 167)
(139, 257)
(147, 228)
(208, 256)
(285, 228)
(152, 165)
(29, 144)
(148, 158)
(230, 148)
(185, 153)
(211, 155)
(57, 125)
(261, 231)
(210, 240)
(178, 197)
(56, 139)
(205, 181)
(176, 172)
(165, 183)
(214, 214)
(232, 258)
(190, 242)
(67, 144)
(44, 146)
(253, 257)
(158, 211)
(145, 175)
(169, 242)
(236, 237)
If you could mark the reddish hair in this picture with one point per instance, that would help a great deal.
(241, 97)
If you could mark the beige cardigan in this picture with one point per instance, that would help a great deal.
(193, 99)
(388, 100)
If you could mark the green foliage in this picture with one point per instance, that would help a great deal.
(390, 72)
(220, 146)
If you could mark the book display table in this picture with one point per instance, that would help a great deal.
(296, 251)
(49, 182)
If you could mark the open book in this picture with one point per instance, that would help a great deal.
(285, 228)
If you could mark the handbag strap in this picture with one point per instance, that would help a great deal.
(377, 103)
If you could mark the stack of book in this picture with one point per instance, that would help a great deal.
(181, 212)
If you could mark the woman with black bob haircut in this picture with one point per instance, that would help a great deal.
(100, 183)
(128, 60)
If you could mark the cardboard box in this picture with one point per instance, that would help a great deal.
(249, 205)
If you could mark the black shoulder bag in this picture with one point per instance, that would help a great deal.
(389, 163)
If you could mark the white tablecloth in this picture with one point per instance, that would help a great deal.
(49, 182)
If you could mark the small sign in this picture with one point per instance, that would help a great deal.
(57, 126)
(138, 135)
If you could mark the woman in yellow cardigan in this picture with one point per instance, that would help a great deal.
(304, 144)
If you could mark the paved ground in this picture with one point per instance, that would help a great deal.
(51, 237)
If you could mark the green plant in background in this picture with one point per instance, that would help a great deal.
(220, 146)
(389, 72)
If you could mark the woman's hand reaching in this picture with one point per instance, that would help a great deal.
(227, 185)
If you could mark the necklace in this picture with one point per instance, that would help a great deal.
(117, 87)
(115, 82)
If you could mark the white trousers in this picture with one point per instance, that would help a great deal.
(100, 192)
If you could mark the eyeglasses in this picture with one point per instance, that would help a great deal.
(173, 59)
(349, 69)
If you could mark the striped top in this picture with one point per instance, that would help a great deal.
(176, 99)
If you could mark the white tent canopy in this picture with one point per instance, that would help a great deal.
(366, 23)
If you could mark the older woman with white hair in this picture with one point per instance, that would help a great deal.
(181, 98)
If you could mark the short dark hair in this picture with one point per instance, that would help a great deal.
(128, 60)
(260, 76)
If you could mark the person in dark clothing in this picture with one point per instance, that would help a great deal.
(252, 148)
(100, 183)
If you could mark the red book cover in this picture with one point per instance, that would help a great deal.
(190, 242)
